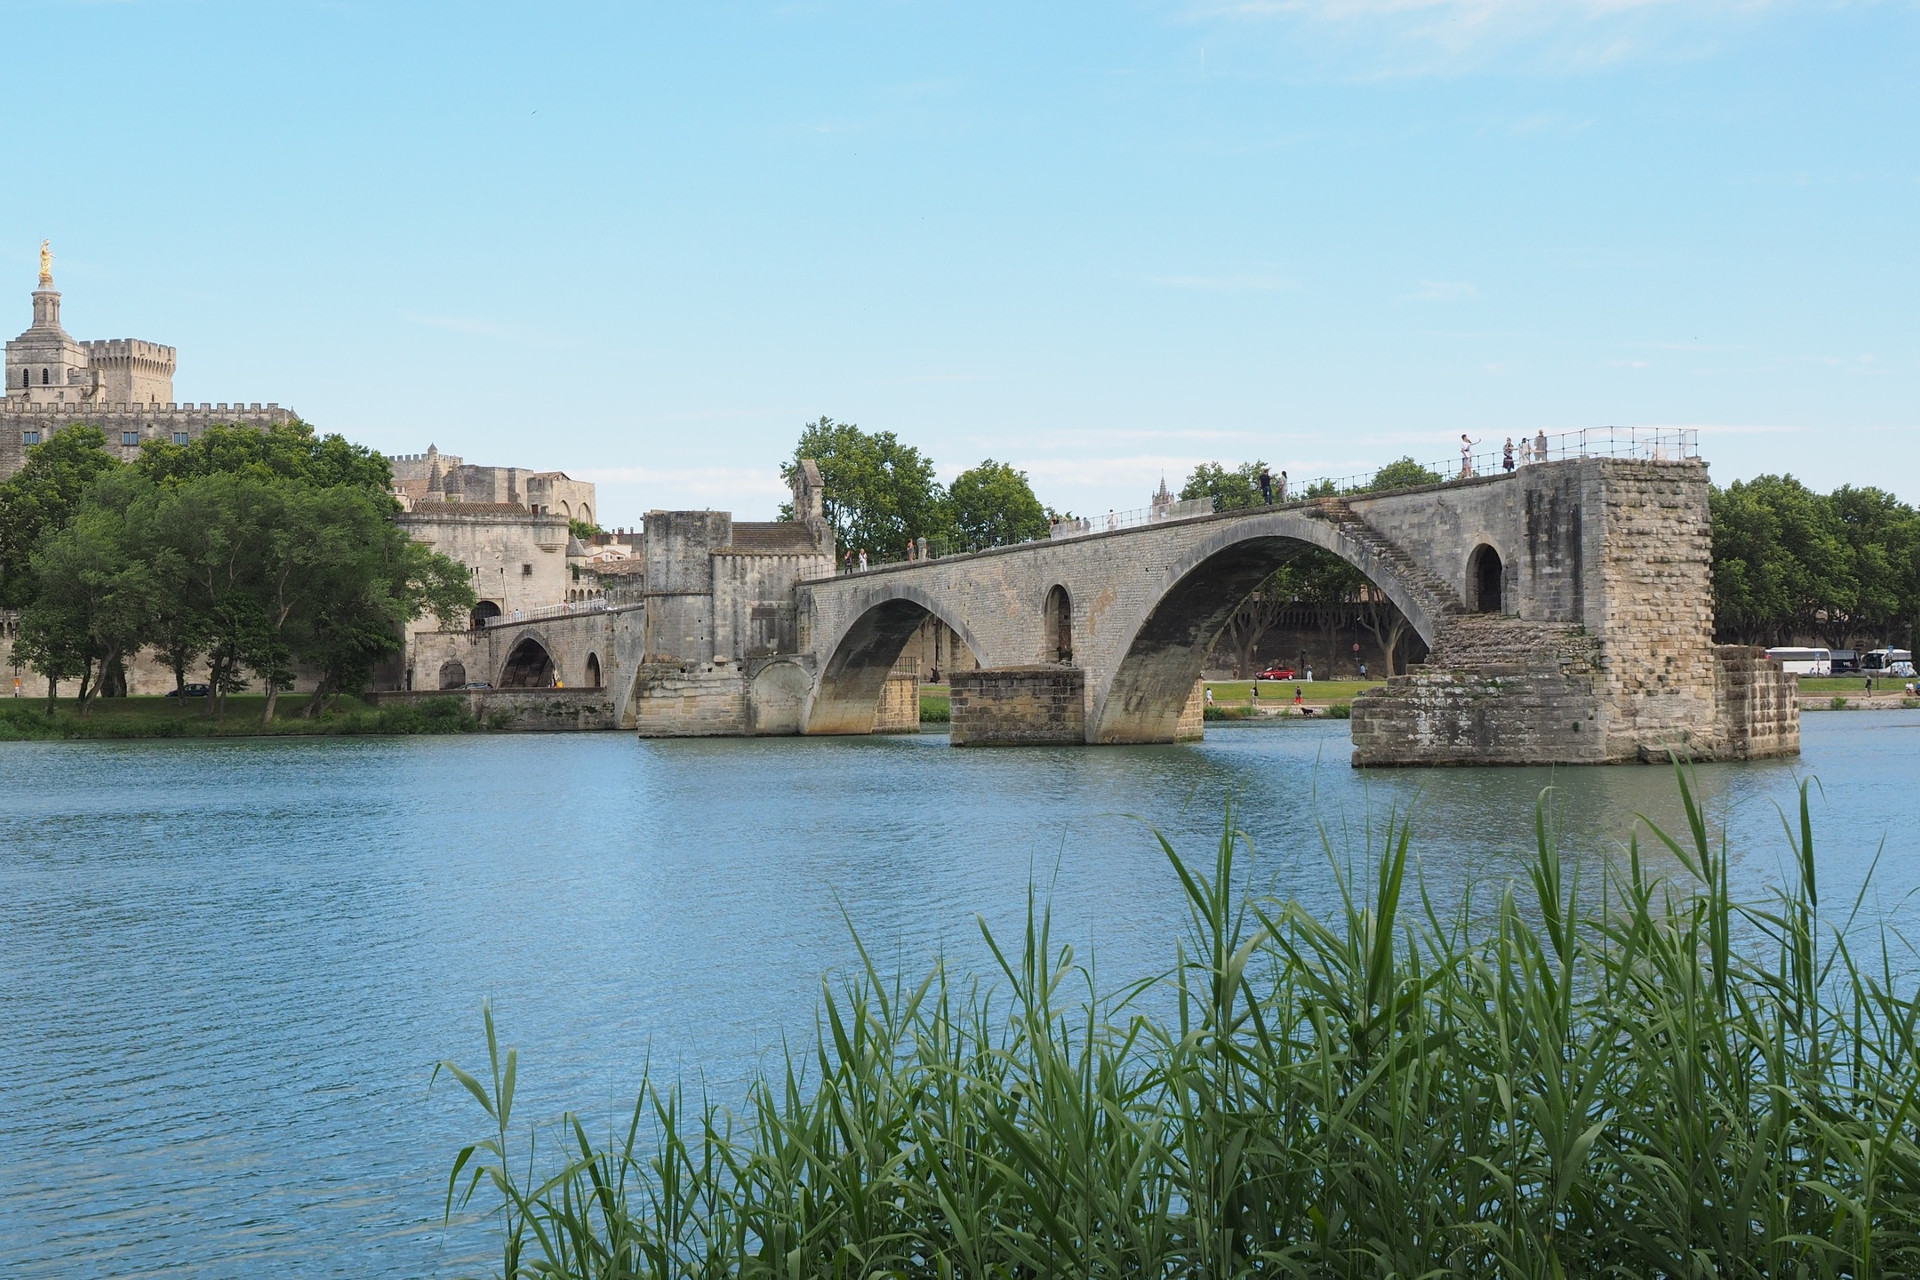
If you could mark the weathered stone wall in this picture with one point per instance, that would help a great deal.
(1759, 708)
(1193, 718)
(899, 709)
(692, 700)
(1019, 706)
(127, 426)
(1491, 715)
(515, 559)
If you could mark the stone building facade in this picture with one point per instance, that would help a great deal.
(441, 477)
(124, 386)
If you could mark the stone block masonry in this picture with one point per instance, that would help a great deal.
(1019, 707)
(899, 710)
(1758, 703)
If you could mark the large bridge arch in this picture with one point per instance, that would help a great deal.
(1153, 669)
(862, 654)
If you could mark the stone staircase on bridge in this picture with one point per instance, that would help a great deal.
(1440, 600)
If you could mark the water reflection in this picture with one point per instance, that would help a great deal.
(227, 967)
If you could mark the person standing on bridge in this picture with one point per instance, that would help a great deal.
(1506, 455)
(1540, 447)
(1466, 455)
(1266, 487)
(863, 559)
(1283, 484)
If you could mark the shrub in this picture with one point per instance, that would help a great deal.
(1839, 703)
(1551, 1082)
(1340, 711)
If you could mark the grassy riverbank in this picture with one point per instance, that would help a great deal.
(1640, 1077)
(26, 719)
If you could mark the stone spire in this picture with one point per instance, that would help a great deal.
(46, 300)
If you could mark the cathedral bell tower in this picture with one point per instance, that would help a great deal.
(44, 364)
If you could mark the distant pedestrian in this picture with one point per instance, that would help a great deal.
(1309, 675)
(1254, 697)
(1113, 521)
(1466, 455)
(1266, 487)
(1363, 671)
(1299, 700)
(1540, 447)
(1209, 695)
(863, 559)
(1283, 485)
(1506, 455)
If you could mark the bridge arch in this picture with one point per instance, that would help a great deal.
(859, 659)
(1191, 602)
(529, 665)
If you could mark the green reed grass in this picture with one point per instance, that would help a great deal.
(1559, 1082)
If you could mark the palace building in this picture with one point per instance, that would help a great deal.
(124, 386)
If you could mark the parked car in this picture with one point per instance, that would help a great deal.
(189, 691)
(476, 684)
(1276, 673)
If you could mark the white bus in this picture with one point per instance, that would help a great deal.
(1803, 662)
(1883, 661)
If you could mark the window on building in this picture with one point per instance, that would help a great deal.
(29, 437)
(181, 437)
(526, 571)
(129, 438)
(46, 376)
(26, 377)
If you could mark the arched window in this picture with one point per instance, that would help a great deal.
(46, 376)
(1485, 578)
(453, 675)
(593, 671)
(1058, 644)
(482, 612)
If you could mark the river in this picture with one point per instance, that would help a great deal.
(226, 968)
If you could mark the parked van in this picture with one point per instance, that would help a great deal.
(1803, 662)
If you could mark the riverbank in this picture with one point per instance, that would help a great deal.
(27, 720)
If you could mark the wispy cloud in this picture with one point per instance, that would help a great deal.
(1441, 291)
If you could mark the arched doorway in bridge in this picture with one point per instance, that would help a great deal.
(482, 613)
(1484, 577)
(1058, 644)
(529, 666)
(593, 671)
(453, 675)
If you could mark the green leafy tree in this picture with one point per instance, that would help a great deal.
(880, 494)
(285, 451)
(992, 505)
(41, 498)
(95, 595)
(1403, 474)
(1231, 490)
(1782, 566)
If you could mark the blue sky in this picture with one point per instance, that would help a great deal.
(644, 244)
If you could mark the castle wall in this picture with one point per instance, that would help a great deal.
(516, 559)
(127, 426)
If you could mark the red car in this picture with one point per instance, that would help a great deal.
(1276, 673)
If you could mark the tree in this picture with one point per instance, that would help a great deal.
(1781, 565)
(1230, 490)
(95, 593)
(993, 506)
(1403, 474)
(880, 494)
(285, 451)
(41, 498)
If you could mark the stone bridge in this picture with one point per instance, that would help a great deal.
(1567, 609)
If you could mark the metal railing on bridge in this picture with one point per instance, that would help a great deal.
(1653, 444)
(545, 611)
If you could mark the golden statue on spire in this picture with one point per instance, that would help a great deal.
(46, 264)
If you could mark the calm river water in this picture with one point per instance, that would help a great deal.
(226, 968)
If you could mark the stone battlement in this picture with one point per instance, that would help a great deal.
(81, 411)
(130, 349)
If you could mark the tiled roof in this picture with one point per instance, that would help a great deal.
(771, 537)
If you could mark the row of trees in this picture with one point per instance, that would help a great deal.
(1790, 564)
(881, 495)
(251, 552)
